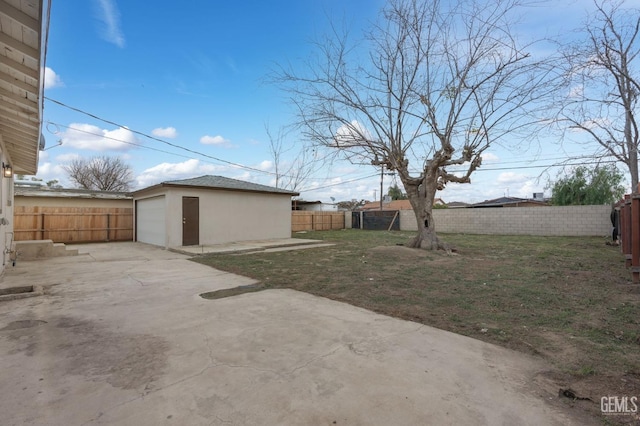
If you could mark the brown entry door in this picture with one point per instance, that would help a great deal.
(190, 221)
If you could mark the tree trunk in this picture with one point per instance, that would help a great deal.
(632, 144)
(422, 197)
(633, 170)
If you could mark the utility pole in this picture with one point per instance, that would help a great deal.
(381, 185)
(377, 162)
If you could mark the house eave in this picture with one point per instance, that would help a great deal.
(23, 38)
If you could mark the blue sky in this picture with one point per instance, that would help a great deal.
(194, 74)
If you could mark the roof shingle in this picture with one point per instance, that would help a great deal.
(221, 182)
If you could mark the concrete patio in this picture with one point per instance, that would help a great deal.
(121, 336)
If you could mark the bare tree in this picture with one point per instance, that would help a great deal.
(603, 84)
(100, 173)
(440, 82)
(291, 173)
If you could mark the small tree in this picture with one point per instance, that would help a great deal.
(396, 193)
(599, 185)
(54, 183)
(290, 173)
(351, 205)
(100, 173)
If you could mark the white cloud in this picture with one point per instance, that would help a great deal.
(173, 171)
(507, 178)
(51, 79)
(165, 132)
(215, 140)
(576, 92)
(90, 137)
(596, 123)
(265, 165)
(488, 157)
(67, 158)
(48, 170)
(351, 134)
(110, 16)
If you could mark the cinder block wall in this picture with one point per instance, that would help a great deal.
(551, 221)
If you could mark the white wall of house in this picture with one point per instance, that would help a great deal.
(6, 209)
(230, 216)
(322, 207)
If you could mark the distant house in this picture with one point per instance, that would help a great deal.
(43, 196)
(313, 206)
(209, 210)
(458, 205)
(510, 202)
(395, 205)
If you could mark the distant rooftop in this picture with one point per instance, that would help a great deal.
(395, 205)
(457, 204)
(511, 201)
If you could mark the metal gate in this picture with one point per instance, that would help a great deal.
(380, 220)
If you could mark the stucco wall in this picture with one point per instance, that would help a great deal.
(228, 216)
(30, 201)
(560, 220)
(6, 210)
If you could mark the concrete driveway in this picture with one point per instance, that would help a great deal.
(123, 337)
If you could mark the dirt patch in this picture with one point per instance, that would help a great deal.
(402, 252)
(230, 292)
(17, 325)
(127, 361)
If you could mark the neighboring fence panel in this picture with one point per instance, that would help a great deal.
(629, 229)
(384, 220)
(316, 221)
(73, 224)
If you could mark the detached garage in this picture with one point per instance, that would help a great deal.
(210, 210)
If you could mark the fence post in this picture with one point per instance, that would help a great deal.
(41, 226)
(625, 219)
(108, 226)
(635, 237)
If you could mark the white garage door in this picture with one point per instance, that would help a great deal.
(150, 221)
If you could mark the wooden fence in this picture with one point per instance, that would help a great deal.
(629, 229)
(73, 224)
(316, 221)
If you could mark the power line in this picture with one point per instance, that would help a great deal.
(242, 166)
(156, 149)
(540, 166)
(339, 183)
(116, 139)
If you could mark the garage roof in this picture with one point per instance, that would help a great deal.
(220, 182)
(23, 31)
